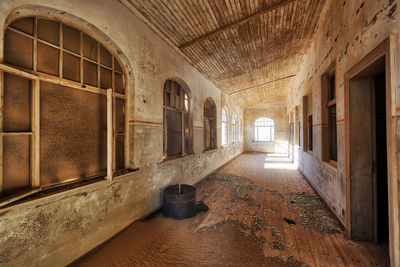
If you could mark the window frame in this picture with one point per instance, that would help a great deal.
(307, 143)
(36, 77)
(269, 124)
(224, 125)
(297, 126)
(310, 144)
(331, 103)
(210, 113)
(185, 110)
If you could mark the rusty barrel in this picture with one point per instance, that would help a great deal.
(179, 205)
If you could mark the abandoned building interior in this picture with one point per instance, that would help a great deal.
(284, 114)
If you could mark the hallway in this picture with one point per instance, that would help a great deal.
(262, 213)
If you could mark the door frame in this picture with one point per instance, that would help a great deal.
(390, 48)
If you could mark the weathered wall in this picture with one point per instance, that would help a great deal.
(347, 31)
(55, 230)
(281, 130)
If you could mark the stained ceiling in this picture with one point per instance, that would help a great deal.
(250, 49)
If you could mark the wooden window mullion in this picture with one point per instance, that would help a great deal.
(81, 56)
(110, 136)
(35, 23)
(61, 55)
(98, 65)
(182, 108)
(35, 142)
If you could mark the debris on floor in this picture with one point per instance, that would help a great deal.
(286, 261)
(289, 221)
(313, 212)
(244, 226)
(241, 198)
(201, 207)
(310, 212)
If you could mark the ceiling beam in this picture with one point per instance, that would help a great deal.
(255, 86)
(234, 24)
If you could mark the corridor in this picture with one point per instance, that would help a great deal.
(262, 212)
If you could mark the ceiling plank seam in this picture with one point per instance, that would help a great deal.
(235, 24)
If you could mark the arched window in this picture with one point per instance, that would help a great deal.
(240, 133)
(264, 130)
(234, 129)
(224, 127)
(64, 106)
(210, 124)
(177, 119)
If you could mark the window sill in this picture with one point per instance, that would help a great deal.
(331, 164)
(127, 172)
(210, 150)
(177, 158)
(224, 146)
(20, 198)
(309, 153)
(254, 141)
(37, 193)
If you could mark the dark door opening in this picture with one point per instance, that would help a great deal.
(382, 216)
(368, 154)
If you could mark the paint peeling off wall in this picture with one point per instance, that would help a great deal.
(347, 31)
(55, 229)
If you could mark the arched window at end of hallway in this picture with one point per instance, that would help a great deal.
(210, 124)
(177, 120)
(264, 130)
(224, 127)
(63, 108)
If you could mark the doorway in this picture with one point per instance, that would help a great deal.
(368, 154)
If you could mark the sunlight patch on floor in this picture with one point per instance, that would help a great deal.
(280, 162)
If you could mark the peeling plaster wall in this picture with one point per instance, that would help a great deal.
(347, 31)
(54, 230)
(281, 130)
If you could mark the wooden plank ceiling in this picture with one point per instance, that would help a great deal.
(249, 49)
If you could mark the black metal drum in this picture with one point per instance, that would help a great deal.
(179, 204)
